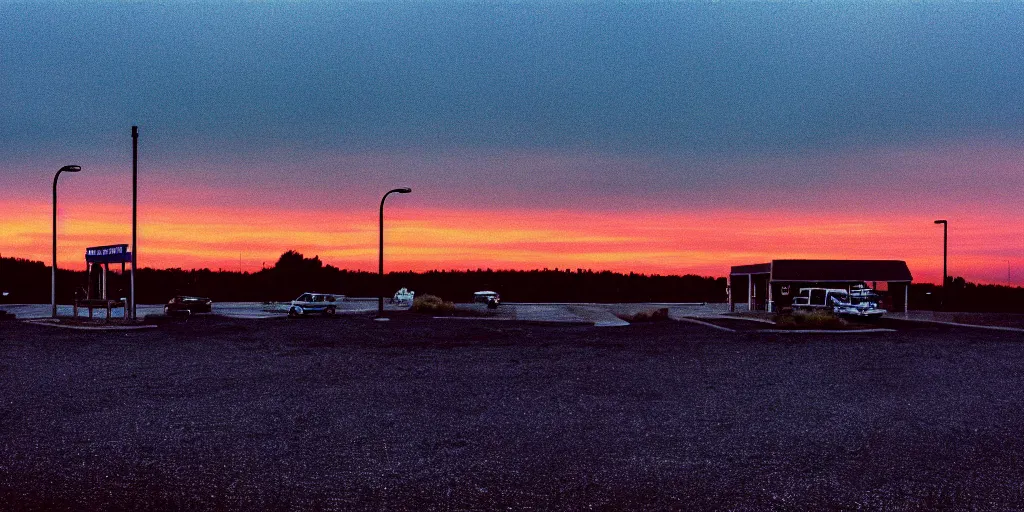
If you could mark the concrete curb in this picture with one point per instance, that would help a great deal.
(744, 318)
(824, 331)
(91, 327)
(940, 322)
(475, 318)
(603, 304)
(520, 320)
(611, 323)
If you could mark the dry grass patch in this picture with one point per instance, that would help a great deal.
(810, 320)
(432, 305)
(652, 315)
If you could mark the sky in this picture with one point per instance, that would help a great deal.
(660, 138)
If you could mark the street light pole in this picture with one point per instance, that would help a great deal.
(945, 230)
(53, 267)
(380, 284)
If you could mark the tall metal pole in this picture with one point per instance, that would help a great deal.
(945, 247)
(945, 230)
(945, 251)
(53, 265)
(135, 202)
(380, 282)
(53, 261)
(380, 254)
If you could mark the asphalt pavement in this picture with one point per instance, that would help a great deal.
(418, 413)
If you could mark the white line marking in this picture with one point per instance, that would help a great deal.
(708, 324)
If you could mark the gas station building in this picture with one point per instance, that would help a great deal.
(772, 286)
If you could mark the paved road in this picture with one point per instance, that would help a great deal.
(603, 315)
(598, 314)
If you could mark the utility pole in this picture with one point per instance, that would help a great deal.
(135, 203)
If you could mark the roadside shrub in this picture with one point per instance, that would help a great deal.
(810, 320)
(432, 305)
(653, 315)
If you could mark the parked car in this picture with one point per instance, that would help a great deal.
(857, 303)
(313, 303)
(492, 299)
(403, 297)
(187, 305)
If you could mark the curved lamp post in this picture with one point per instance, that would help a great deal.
(53, 268)
(945, 230)
(380, 297)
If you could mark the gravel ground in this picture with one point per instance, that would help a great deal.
(416, 413)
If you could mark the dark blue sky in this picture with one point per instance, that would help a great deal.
(715, 79)
(877, 115)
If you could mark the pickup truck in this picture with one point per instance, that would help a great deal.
(856, 303)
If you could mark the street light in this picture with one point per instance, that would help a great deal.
(945, 229)
(53, 269)
(380, 286)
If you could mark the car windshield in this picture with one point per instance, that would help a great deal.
(305, 297)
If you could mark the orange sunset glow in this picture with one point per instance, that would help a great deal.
(666, 242)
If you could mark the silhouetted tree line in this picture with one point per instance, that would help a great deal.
(965, 296)
(29, 282)
(293, 274)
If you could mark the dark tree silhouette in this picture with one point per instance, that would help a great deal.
(29, 282)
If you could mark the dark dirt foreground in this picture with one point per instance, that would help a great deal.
(455, 414)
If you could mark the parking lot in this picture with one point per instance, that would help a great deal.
(603, 314)
(240, 413)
